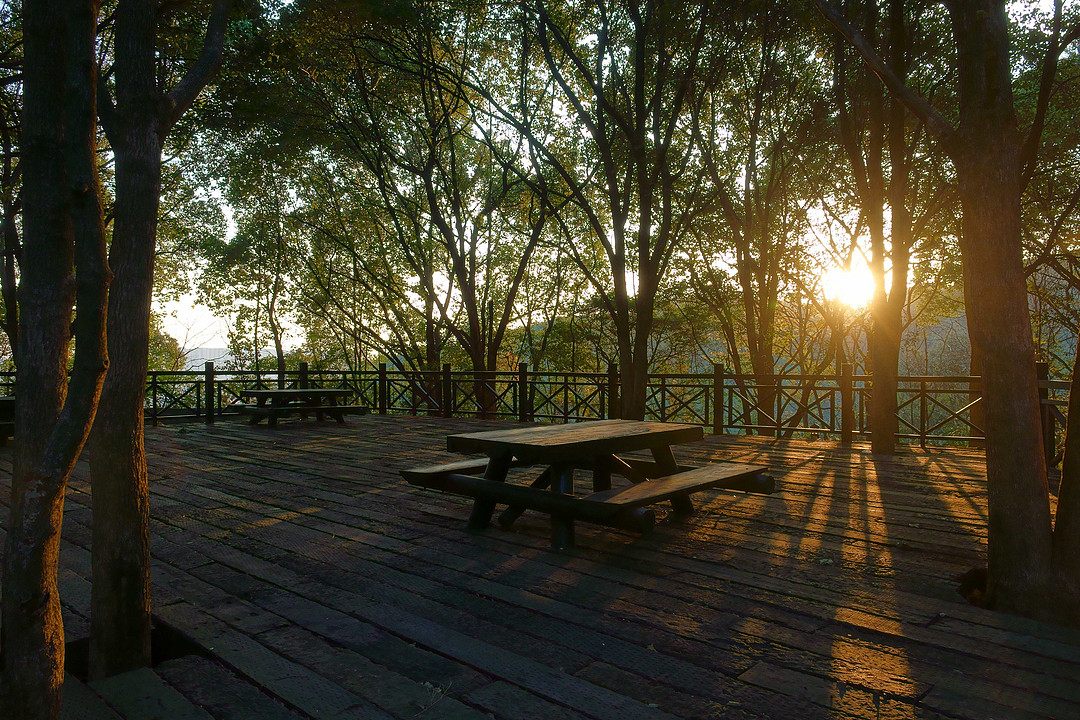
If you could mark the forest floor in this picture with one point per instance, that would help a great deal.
(296, 575)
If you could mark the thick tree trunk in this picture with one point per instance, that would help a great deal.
(136, 126)
(1019, 531)
(986, 153)
(763, 365)
(888, 312)
(887, 317)
(120, 597)
(635, 368)
(63, 265)
(884, 362)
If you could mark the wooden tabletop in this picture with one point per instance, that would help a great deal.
(295, 392)
(574, 440)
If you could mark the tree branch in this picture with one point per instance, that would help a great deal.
(936, 124)
(183, 95)
(106, 109)
(1058, 43)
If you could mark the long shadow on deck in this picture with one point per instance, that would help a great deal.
(324, 581)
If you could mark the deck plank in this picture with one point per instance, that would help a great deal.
(326, 584)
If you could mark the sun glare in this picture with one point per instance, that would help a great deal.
(853, 287)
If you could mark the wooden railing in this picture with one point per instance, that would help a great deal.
(932, 410)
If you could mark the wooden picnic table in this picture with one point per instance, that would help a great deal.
(591, 446)
(272, 403)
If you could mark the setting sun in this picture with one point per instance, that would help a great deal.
(853, 287)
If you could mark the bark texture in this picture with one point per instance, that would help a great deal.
(986, 153)
(136, 127)
(63, 266)
(1028, 574)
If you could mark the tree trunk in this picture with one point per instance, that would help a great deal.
(1019, 531)
(635, 367)
(136, 127)
(763, 365)
(985, 151)
(120, 596)
(63, 265)
(884, 362)
(275, 333)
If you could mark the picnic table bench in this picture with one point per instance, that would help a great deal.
(591, 446)
(273, 403)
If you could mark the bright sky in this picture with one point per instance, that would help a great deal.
(192, 324)
(853, 287)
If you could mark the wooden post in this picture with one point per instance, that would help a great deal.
(614, 404)
(847, 405)
(447, 391)
(153, 398)
(384, 390)
(663, 398)
(924, 416)
(778, 403)
(524, 404)
(208, 371)
(718, 399)
(1046, 416)
(302, 379)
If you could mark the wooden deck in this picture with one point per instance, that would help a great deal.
(313, 581)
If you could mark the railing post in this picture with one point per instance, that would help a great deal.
(524, 411)
(302, 377)
(384, 390)
(923, 414)
(847, 405)
(718, 399)
(778, 403)
(663, 398)
(614, 402)
(153, 398)
(1046, 417)
(208, 371)
(447, 391)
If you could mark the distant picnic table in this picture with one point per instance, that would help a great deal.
(273, 403)
(592, 446)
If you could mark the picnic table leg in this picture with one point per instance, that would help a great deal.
(256, 417)
(512, 513)
(334, 410)
(562, 526)
(665, 460)
(602, 473)
(497, 468)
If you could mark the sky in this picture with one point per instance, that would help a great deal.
(192, 324)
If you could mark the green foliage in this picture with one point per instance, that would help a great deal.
(368, 178)
(165, 351)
